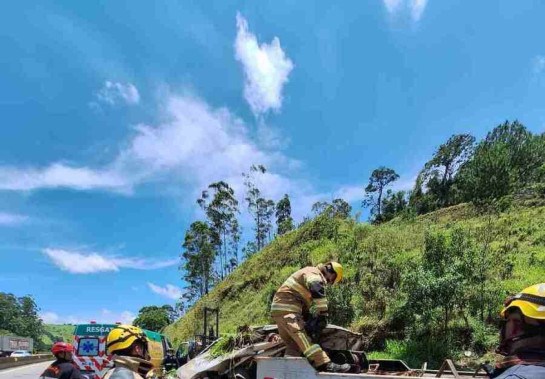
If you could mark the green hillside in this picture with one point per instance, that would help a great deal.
(420, 288)
(54, 333)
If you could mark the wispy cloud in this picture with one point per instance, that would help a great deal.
(114, 93)
(393, 5)
(11, 219)
(169, 291)
(50, 318)
(539, 64)
(77, 262)
(405, 182)
(108, 316)
(199, 144)
(60, 175)
(350, 193)
(266, 69)
(104, 316)
(415, 7)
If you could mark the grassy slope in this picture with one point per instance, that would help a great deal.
(55, 333)
(243, 296)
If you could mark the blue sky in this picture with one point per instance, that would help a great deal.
(115, 115)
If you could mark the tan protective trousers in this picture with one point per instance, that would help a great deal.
(291, 328)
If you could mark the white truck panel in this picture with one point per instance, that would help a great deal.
(300, 368)
(12, 343)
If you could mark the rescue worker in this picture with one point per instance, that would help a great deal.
(170, 362)
(522, 336)
(63, 367)
(129, 346)
(301, 291)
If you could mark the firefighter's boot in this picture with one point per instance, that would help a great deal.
(334, 367)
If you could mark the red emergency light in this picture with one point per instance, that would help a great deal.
(92, 322)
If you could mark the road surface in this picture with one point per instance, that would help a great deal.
(31, 371)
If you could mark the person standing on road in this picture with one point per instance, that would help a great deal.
(129, 346)
(303, 290)
(522, 336)
(63, 367)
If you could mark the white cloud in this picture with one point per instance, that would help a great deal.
(50, 317)
(393, 5)
(169, 291)
(266, 69)
(76, 262)
(109, 317)
(405, 182)
(416, 7)
(197, 145)
(11, 219)
(104, 316)
(113, 93)
(270, 137)
(59, 175)
(350, 193)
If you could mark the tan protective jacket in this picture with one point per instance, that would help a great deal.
(303, 290)
(130, 368)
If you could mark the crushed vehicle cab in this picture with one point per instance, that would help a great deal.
(259, 355)
(90, 349)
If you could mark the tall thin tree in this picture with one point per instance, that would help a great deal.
(380, 178)
(284, 221)
(198, 260)
(260, 208)
(221, 208)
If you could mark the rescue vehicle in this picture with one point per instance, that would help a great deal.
(90, 349)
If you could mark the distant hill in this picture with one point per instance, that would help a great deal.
(54, 333)
(395, 273)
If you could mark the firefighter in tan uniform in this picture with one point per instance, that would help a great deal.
(303, 290)
(129, 346)
(522, 336)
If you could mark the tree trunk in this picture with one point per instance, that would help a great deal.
(224, 243)
(258, 231)
(379, 202)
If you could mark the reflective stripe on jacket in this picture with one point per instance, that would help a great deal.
(302, 290)
(129, 368)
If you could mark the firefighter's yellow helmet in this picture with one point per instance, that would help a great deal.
(123, 336)
(338, 270)
(530, 301)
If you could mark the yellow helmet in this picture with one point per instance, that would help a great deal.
(123, 336)
(338, 270)
(530, 301)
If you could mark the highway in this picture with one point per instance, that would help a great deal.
(32, 371)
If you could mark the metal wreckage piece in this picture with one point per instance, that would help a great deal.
(258, 355)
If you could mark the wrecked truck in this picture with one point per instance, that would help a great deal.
(257, 353)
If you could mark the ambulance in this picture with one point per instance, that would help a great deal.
(90, 349)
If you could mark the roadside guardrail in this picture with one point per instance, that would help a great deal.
(8, 362)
